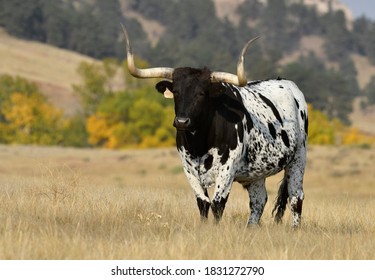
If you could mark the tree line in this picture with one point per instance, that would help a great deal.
(137, 117)
(195, 36)
(82, 26)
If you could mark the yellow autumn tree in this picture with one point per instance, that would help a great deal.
(164, 135)
(149, 125)
(105, 132)
(98, 129)
(30, 119)
(321, 129)
(353, 136)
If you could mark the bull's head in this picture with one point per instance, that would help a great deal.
(191, 88)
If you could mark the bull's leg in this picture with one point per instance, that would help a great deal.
(258, 199)
(294, 174)
(201, 195)
(204, 206)
(218, 205)
(221, 194)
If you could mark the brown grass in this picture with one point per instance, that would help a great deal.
(60, 203)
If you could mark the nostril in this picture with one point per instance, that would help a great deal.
(182, 122)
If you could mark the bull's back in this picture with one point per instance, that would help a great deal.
(279, 114)
(276, 105)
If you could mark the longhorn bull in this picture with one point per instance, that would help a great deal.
(229, 129)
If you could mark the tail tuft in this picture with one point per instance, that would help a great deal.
(281, 201)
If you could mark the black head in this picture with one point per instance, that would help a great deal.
(192, 91)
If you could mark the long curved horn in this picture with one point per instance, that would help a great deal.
(158, 72)
(240, 78)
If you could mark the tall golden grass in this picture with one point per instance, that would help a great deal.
(58, 203)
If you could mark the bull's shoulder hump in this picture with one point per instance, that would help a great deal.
(272, 85)
(277, 90)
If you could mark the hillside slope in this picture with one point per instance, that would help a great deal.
(228, 8)
(53, 69)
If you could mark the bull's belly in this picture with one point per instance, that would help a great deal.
(253, 176)
(244, 174)
(261, 165)
(248, 169)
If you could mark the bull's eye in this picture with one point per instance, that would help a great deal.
(201, 93)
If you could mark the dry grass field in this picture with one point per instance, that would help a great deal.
(62, 203)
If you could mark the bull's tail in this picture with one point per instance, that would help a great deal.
(281, 200)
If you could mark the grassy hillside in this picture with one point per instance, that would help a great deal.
(53, 69)
(98, 204)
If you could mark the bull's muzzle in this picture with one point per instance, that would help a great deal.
(182, 123)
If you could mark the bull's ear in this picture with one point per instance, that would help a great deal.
(165, 87)
(216, 90)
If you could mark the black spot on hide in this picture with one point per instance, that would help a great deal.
(240, 132)
(297, 104)
(272, 130)
(285, 138)
(208, 162)
(306, 125)
(242, 109)
(283, 161)
(273, 108)
(225, 156)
